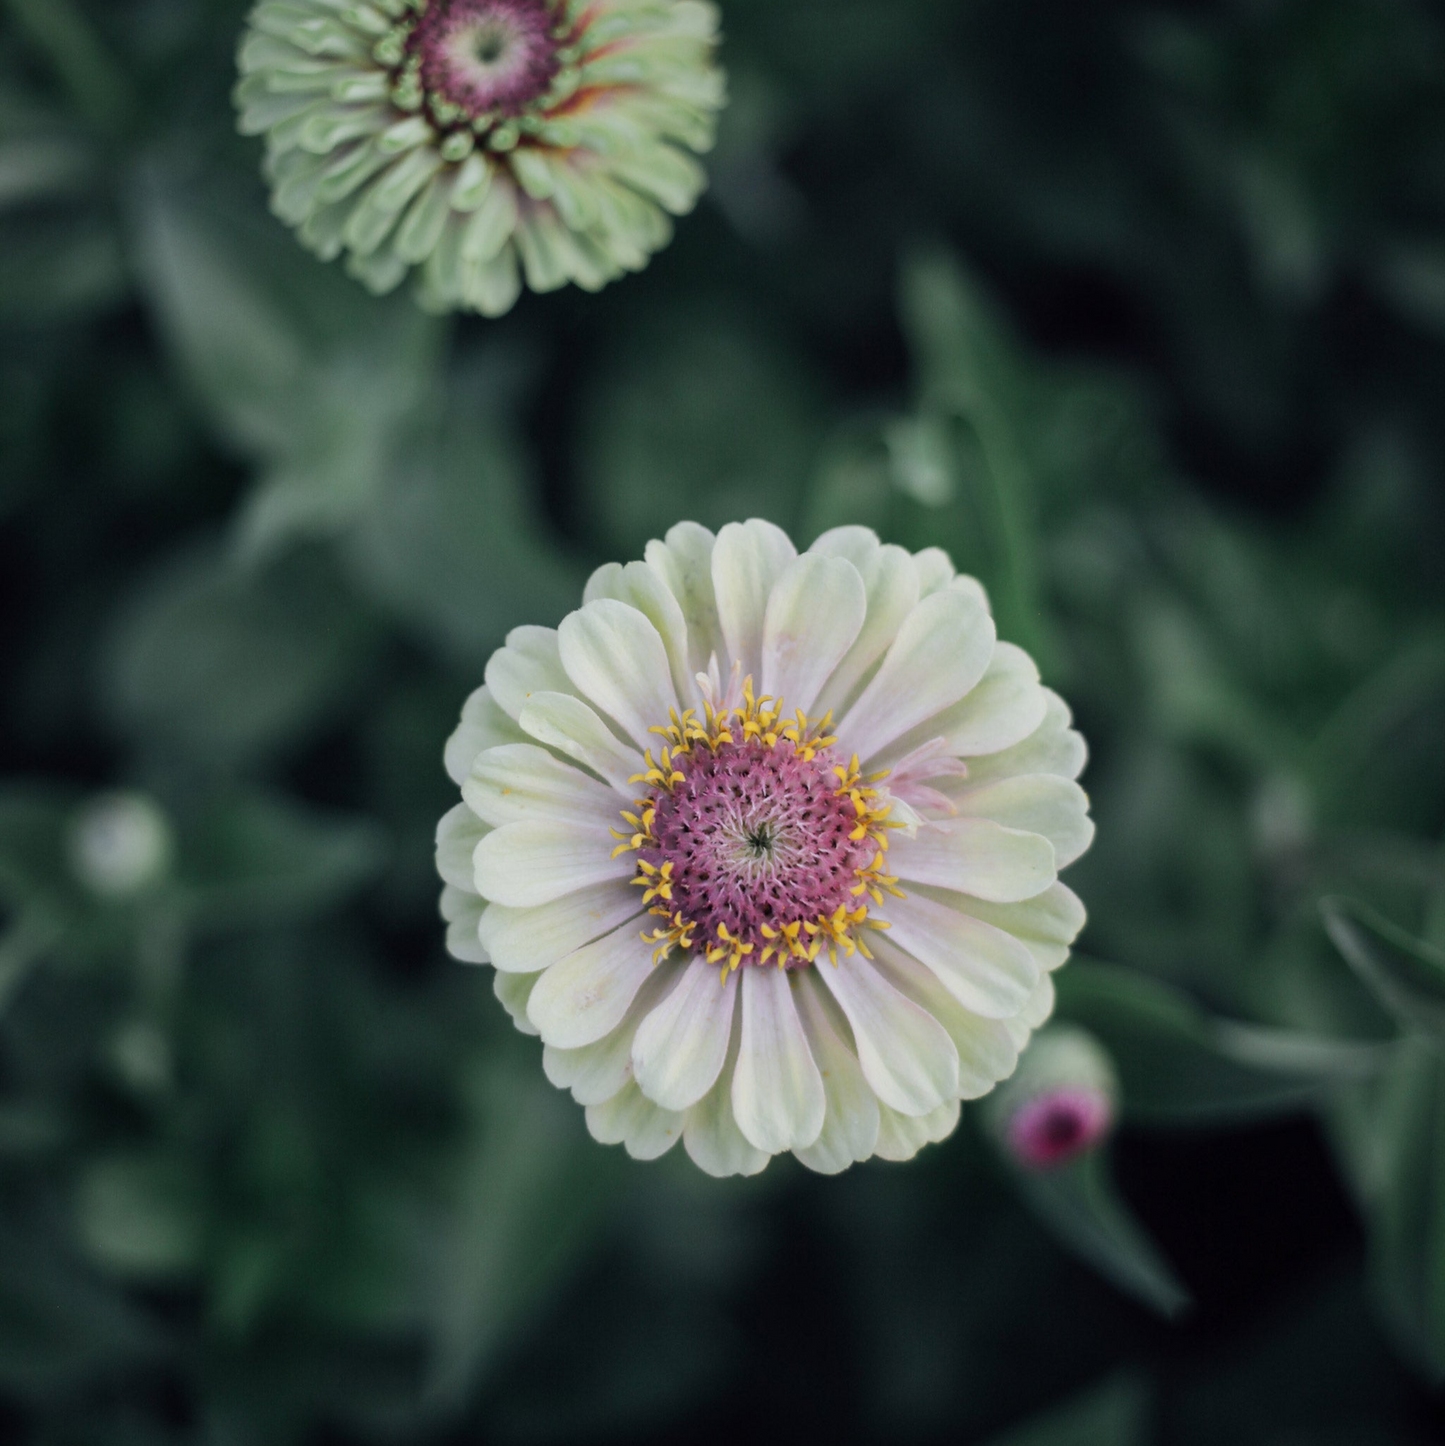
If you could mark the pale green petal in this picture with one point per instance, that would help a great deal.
(976, 856)
(520, 782)
(748, 558)
(941, 651)
(813, 616)
(777, 1095)
(522, 941)
(907, 1057)
(584, 997)
(483, 725)
(680, 1047)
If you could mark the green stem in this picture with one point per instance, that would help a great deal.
(1435, 909)
(61, 30)
(1360, 725)
(21, 947)
(1013, 495)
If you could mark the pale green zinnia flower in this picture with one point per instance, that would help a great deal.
(765, 846)
(482, 142)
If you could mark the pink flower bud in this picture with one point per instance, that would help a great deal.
(1061, 1102)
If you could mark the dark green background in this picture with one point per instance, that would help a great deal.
(1139, 310)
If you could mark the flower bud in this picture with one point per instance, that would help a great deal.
(1061, 1102)
(120, 844)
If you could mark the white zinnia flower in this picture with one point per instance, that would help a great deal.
(765, 847)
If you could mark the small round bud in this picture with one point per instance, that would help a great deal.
(1061, 1102)
(120, 845)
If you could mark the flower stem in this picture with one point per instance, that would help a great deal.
(21, 947)
(61, 30)
(1008, 473)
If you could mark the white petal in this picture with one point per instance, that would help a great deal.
(1053, 747)
(458, 834)
(941, 651)
(583, 997)
(463, 912)
(630, 1119)
(907, 1056)
(711, 1134)
(483, 725)
(515, 990)
(813, 616)
(640, 586)
(564, 722)
(595, 1072)
(747, 561)
(973, 587)
(984, 968)
(522, 941)
(617, 660)
(1041, 803)
(680, 1047)
(1008, 704)
(975, 856)
(891, 583)
(986, 1049)
(684, 562)
(778, 1098)
(901, 1137)
(1041, 1003)
(518, 782)
(523, 864)
(934, 569)
(854, 542)
(528, 664)
(850, 1124)
(1046, 925)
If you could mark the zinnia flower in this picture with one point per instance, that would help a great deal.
(482, 141)
(765, 847)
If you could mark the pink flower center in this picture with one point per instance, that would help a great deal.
(487, 56)
(759, 839)
(1059, 1126)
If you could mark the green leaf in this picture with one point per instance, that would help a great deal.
(59, 267)
(141, 1215)
(966, 357)
(452, 544)
(43, 168)
(529, 1191)
(1406, 974)
(1113, 1414)
(1180, 1065)
(970, 368)
(33, 867)
(1402, 1172)
(1080, 1205)
(702, 416)
(1196, 697)
(228, 666)
(60, 1326)
(297, 367)
(259, 859)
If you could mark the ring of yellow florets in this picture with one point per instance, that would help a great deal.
(838, 846)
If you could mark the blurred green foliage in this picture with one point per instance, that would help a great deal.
(1138, 310)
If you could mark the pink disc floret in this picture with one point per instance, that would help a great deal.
(1060, 1125)
(487, 56)
(757, 836)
